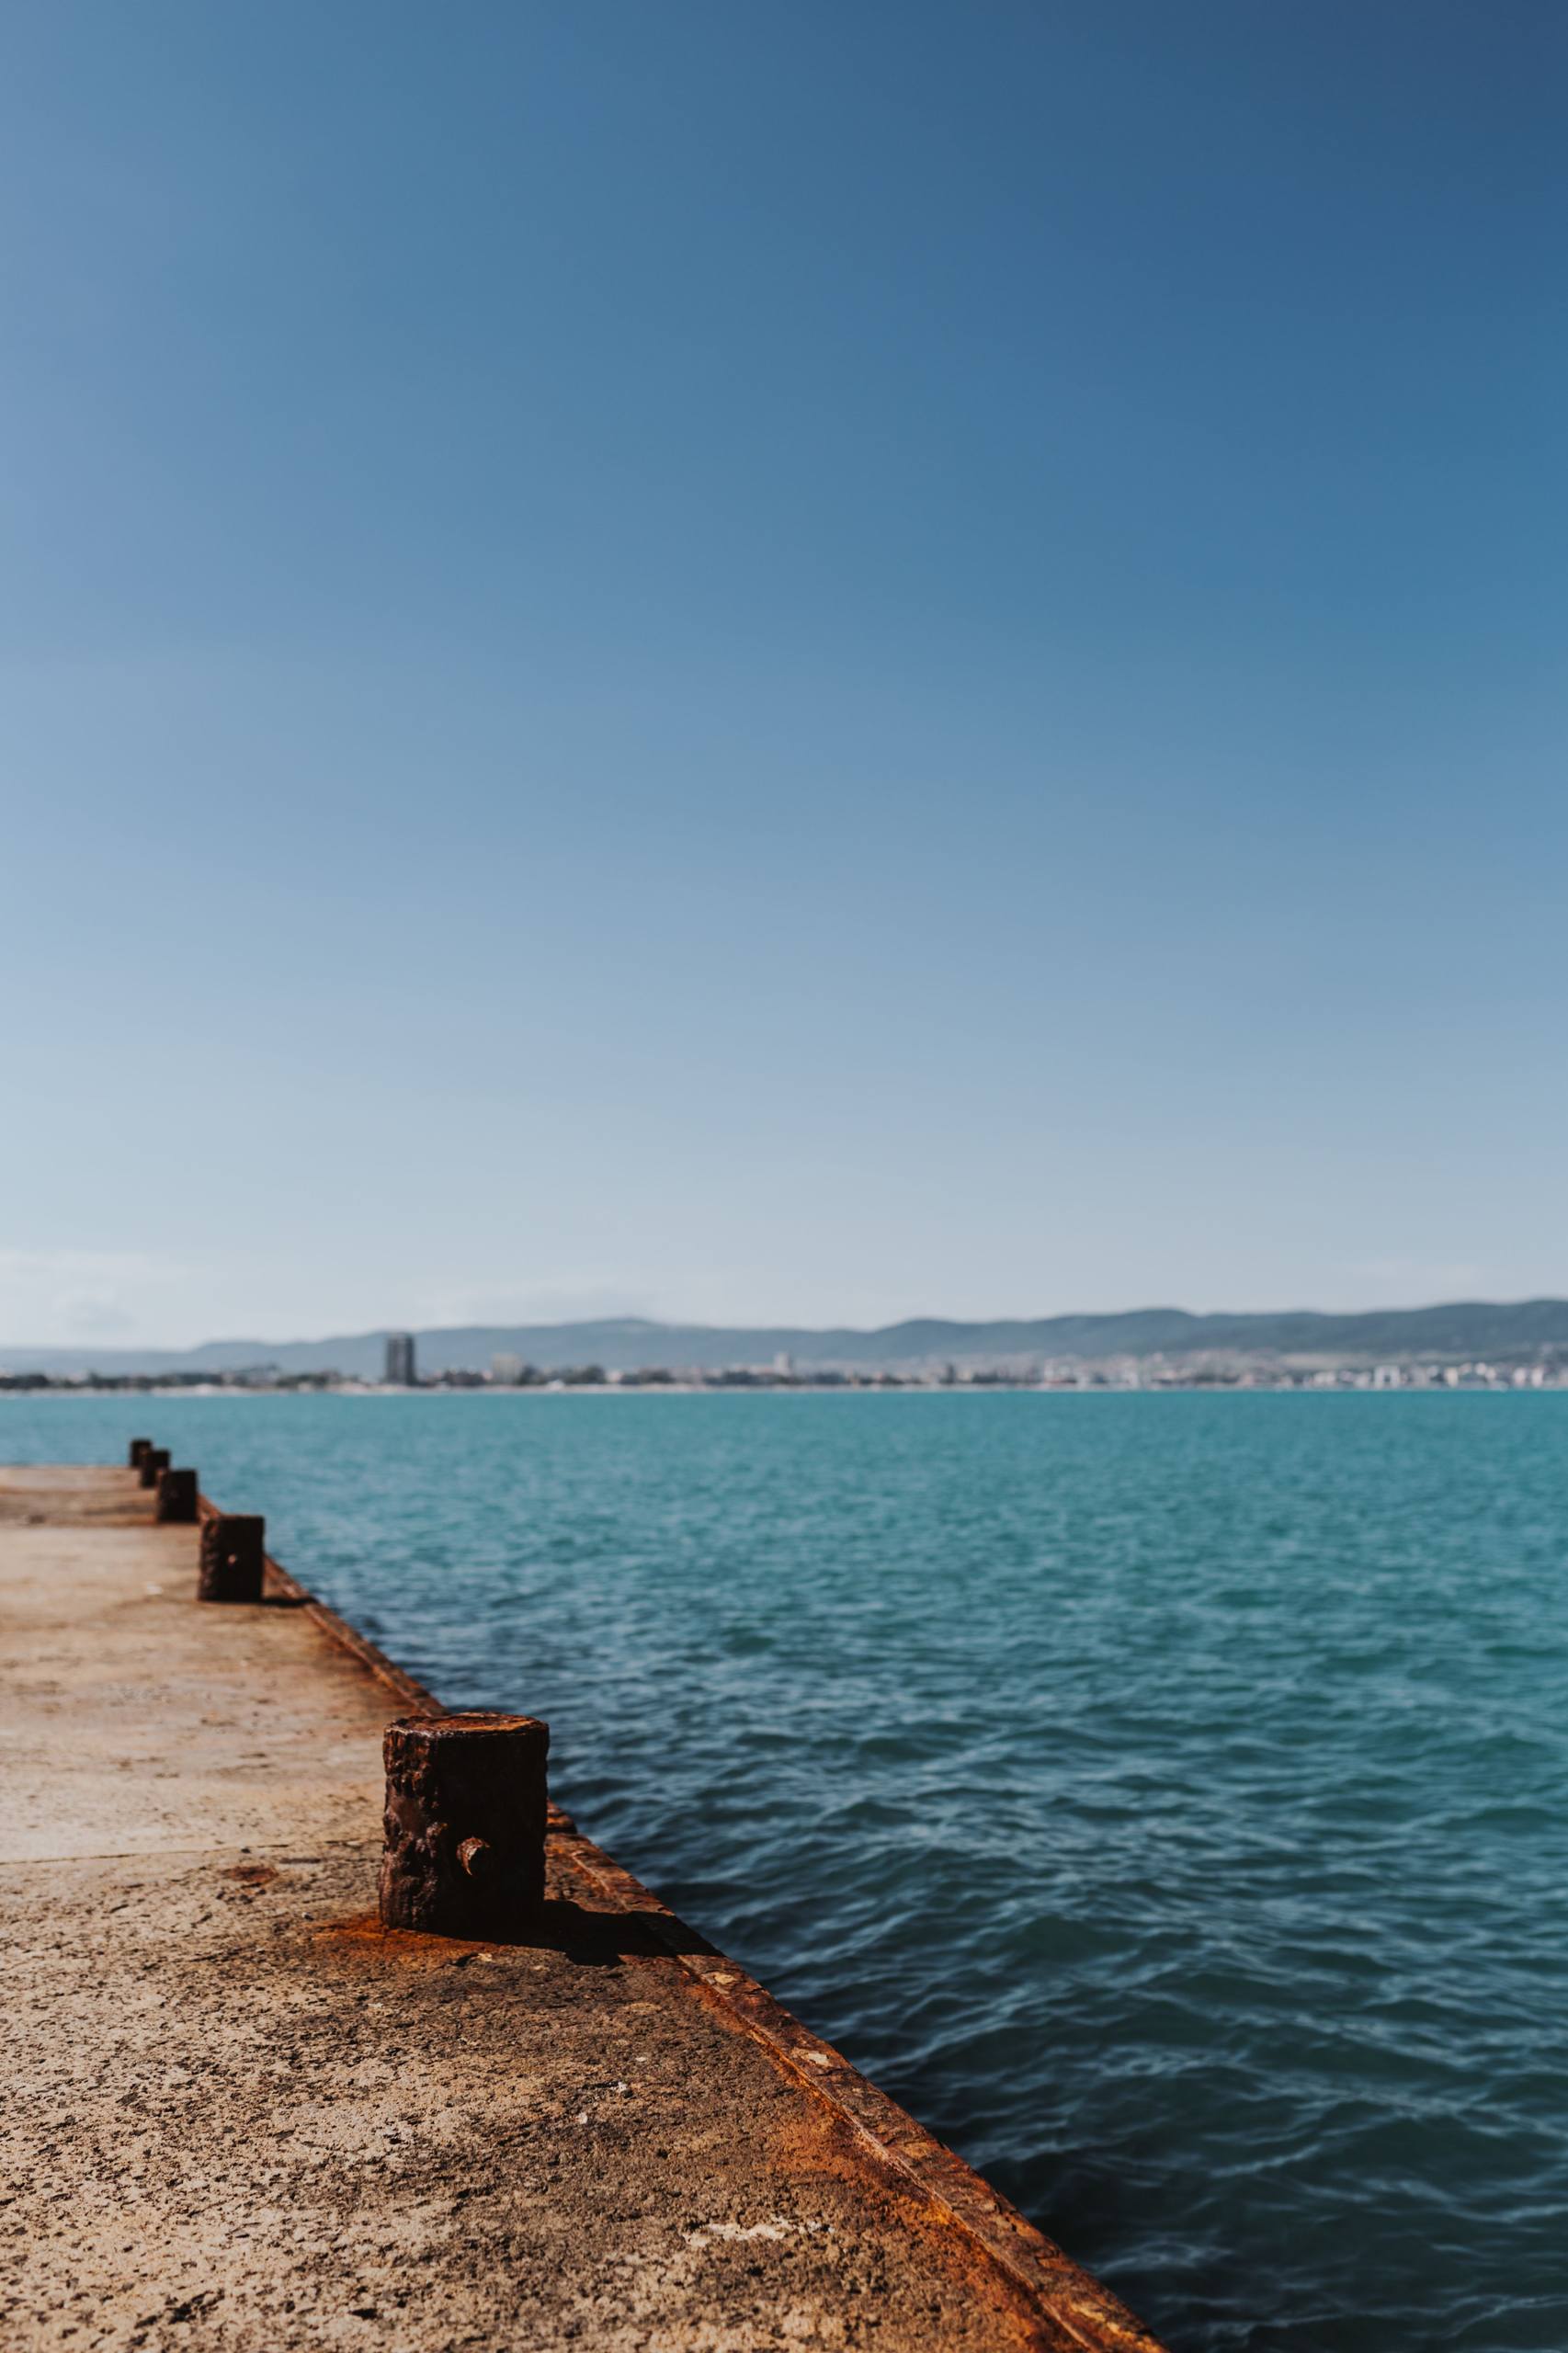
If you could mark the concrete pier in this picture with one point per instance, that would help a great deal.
(240, 2113)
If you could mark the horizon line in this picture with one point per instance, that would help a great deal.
(669, 1324)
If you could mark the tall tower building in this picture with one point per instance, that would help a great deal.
(400, 1361)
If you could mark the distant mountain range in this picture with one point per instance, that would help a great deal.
(1467, 1328)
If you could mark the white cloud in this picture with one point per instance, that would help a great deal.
(53, 1298)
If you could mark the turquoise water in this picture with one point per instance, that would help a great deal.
(1166, 1796)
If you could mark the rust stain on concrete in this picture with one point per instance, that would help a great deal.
(244, 2114)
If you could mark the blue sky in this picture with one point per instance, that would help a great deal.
(794, 661)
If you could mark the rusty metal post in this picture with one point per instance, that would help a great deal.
(156, 1458)
(176, 1496)
(232, 1557)
(136, 1449)
(465, 1815)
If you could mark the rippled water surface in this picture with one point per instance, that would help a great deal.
(1165, 1796)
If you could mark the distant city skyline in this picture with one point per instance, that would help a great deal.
(779, 666)
(1533, 1332)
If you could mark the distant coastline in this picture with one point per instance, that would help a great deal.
(1385, 1380)
(1464, 1342)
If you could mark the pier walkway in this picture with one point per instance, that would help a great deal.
(240, 2114)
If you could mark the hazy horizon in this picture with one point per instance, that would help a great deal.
(742, 1326)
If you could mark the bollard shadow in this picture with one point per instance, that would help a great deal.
(603, 1940)
(586, 1937)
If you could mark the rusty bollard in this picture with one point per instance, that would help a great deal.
(232, 1556)
(138, 1447)
(156, 1458)
(176, 1496)
(465, 1823)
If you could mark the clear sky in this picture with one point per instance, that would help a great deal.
(812, 659)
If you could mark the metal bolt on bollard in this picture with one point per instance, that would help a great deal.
(465, 1817)
(156, 1458)
(176, 1496)
(234, 1555)
(137, 1450)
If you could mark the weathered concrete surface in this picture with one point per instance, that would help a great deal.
(240, 2114)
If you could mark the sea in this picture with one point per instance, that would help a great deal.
(1165, 1796)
